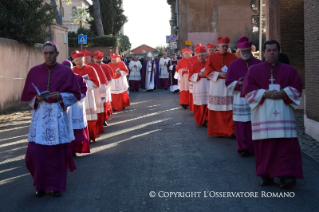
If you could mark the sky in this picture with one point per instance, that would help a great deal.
(148, 22)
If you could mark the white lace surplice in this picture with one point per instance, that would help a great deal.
(135, 73)
(273, 118)
(119, 85)
(89, 102)
(200, 90)
(183, 82)
(50, 122)
(241, 109)
(220, 99)
(77, 115)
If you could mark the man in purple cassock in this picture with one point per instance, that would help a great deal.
(241, 110)
(272, 89)
(158, 73)
(49, 150)
(173, 83)
(77, 118)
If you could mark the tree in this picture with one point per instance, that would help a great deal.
(58, 18)
(162, 48)
(25, 20)
(112, 16)
(79, 16)
(58, 15)
(97, 18)
(120, 19)
(125, 44)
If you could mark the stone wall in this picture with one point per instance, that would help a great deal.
(311, 65)
(15, 62)
(60, 37)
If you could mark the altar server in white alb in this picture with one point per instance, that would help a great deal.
(241, 110)
(164, 75)
(135, 67)
(273, 89)
(148, 73)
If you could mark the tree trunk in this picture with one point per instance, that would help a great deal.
(55, 8)
(97, 18)
(61, 15)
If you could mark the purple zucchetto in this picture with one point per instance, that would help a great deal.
(244, 42)
(67, 63)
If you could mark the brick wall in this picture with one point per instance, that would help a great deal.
(285, 23)
(312, 58)
(292, 33)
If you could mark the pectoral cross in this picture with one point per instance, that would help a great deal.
(272, 79)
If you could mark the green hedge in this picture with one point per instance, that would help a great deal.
(105, 40)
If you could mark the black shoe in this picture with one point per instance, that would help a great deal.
(266, 181)
(105, 124)
(184, 106)
(39, 193)
(148, 90)
(205, 124)
(123, 108)
(233, 136)
(245, 153)
(56, 193)
(287, 183)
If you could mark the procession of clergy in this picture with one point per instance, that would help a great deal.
(240, 97)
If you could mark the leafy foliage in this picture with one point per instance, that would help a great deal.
(112, 16)
(25, 20)
(93, 40)
(162, 49)
(125, 44)
(80, 16)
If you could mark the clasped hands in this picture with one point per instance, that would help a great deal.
(222, 74)
(274, 94)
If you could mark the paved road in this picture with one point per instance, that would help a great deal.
(154, 145)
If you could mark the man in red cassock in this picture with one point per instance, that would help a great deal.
(183, 67)
(99, 92)
(241, 110)
(211, 48)
(119, 86)
(272, 90)
(49, 89)
(220, 104)
(200, 87)
(92, 80)
(98, 57)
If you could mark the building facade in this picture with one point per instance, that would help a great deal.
(142, 50)
(203, 21)
(67, 11)
(311, 47)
